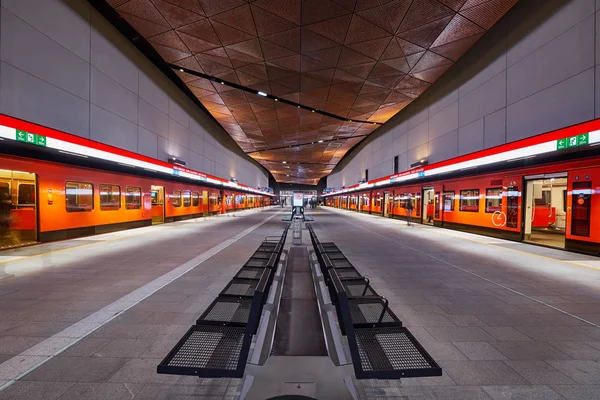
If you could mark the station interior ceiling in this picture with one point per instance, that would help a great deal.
(329, 72)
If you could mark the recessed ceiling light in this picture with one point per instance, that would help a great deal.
(285, 162)
(181, 69)
(222, 83)
(263, 94)
(320, 141)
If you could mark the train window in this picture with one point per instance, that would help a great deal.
(79, 196)
(133, 198)
(187, 198)
(469, 200)
(493, 200)
(176, 198)
(582, 207)
(195, 199)
(26, 194)
(110, 197)
(449, 201)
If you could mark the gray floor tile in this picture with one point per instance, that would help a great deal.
(587, 372)
(539, 372)
(86, 347)
(522, 393)
(578, 392)
(506, 334)
(466, 320)
(553, 333)
(479, 351)
(101, 391)
(35, 390)
(530, 351)
(76, 369)
(482, 373)
(578, 350)
(460, 334)
(144, 371)
(128, 348)
(13, 345)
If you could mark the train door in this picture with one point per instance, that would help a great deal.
(545, 209)
(385, 204)
(18, 205)
(428, 205)
(157, 193)
(205, 203)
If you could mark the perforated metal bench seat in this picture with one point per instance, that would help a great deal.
(366, 311)
(240, 287)
(345, 273)
(250, 273)
(260, 262)
(263, 254)
(392, 353)
(328, 248)
(207, 351)
(224, 309)
(357, 287)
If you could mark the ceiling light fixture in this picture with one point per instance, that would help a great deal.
(285, 162)
(320, 141)
(181, 69)
(263, 94)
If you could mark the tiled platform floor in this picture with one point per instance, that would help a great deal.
(505, 320)
(45, 292)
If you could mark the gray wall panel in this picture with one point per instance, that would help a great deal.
(444, 147)
(470, 137)
(49, 18)
(147, 142)
(28, 49)
(564, 104)
(24, 96)
(109, 128)
(494, 130)
(110, 95)
(62, 65)
(544, 57)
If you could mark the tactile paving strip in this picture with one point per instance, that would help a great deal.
(385, 349)
(213, 347)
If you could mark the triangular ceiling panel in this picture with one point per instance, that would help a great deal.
(344, 65)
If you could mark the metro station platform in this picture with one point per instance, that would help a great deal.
(91, 318)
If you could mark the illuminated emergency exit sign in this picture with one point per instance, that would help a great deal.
(32, 138)
(573, 141)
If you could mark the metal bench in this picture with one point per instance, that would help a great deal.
(380, 347)
(219, 344)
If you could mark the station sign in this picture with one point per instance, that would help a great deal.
(31, 138)
(573, 141)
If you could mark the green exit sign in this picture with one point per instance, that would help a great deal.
(32, 138)
(573, 141)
